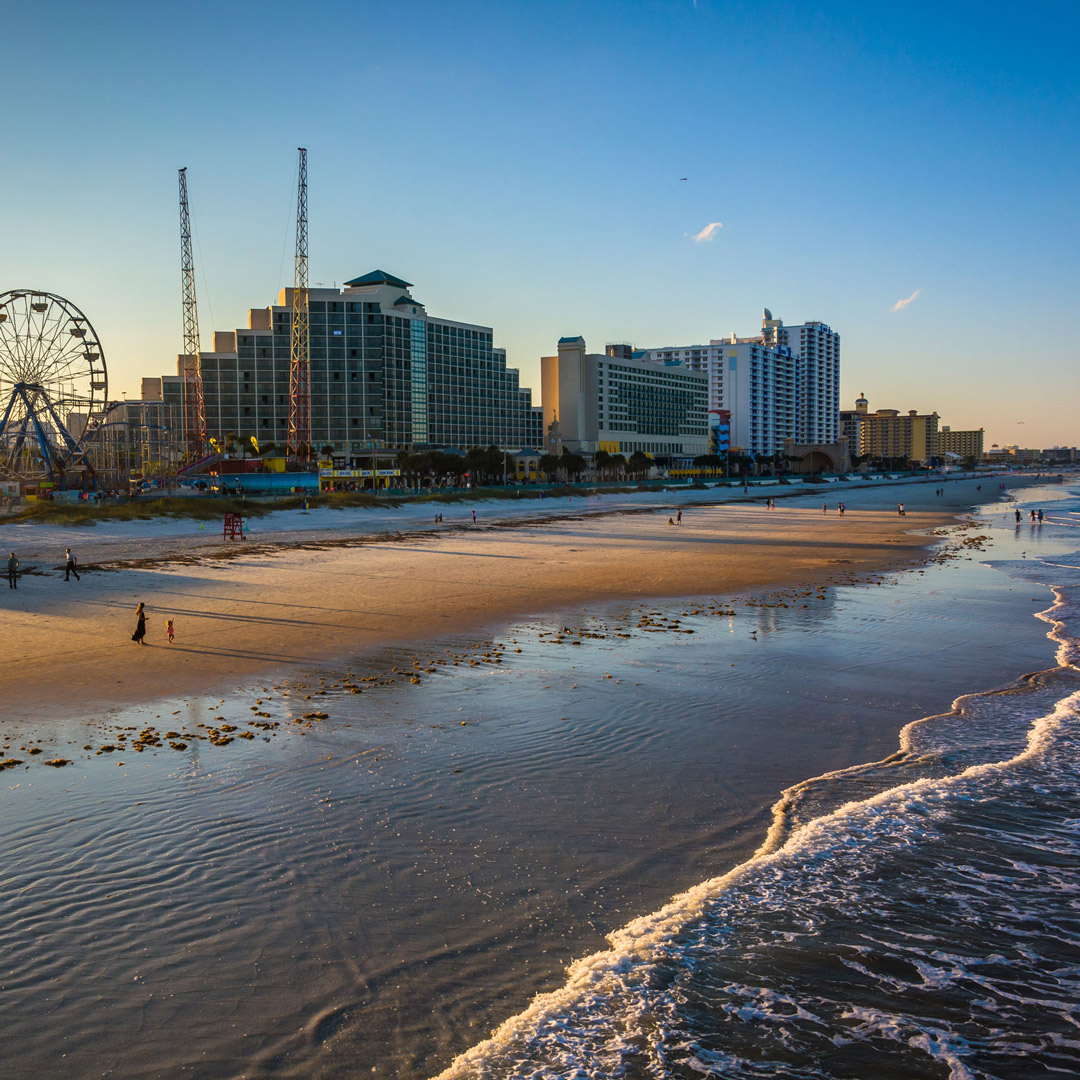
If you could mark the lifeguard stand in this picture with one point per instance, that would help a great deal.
(234, 527)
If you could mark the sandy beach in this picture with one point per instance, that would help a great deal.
(292, 597)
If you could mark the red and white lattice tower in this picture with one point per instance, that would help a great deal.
(299, 444)
(194, 400)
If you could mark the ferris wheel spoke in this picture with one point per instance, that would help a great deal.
(17, 348)
(47, 334)
(65, 359)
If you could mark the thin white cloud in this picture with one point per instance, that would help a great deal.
(708, 232)
(901, 304)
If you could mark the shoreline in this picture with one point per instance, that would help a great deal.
(382, 888)
(271, 608)
(413, 881)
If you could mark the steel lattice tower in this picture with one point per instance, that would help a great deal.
(194, 400)
(299, 445)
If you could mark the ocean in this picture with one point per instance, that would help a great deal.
(918, 916)
(728, 837)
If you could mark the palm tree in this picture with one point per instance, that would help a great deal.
(549, 465)
(573, 464)
(601, 460)
(639, 464)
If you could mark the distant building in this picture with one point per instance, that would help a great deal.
(964, 444)
(383, 373)
(1013, 455)
(1061, 455)
(622, 403)
(754, 383)
(888, 433)
(719, 432)
(782, 384)
(851, 423)
(816, 348)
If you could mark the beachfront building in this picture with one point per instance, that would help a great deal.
(719, 432)
(1012, 455)
(1061, 455)
(384, 373)
(851, 423)
(753, 382)
(888, 434)
(623, 403)
(961, 444)
(816, 348)
(782, 384)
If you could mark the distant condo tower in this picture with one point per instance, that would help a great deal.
(782, 384)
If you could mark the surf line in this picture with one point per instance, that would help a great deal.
(638, 943)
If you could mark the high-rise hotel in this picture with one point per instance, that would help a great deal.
(383, 372)
(782, 384)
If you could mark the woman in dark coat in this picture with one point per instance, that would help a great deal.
(140, 629)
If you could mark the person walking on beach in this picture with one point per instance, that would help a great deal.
(474, 517)
(13, 571)
(1032, 517)
(678, 517)
(840, 507)
(169, 631)
(900, 509)
(140, 627)
(1017, 511)
(824, 508)
(69, 567)
(1040, 515)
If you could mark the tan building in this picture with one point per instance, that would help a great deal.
(964, 444)
(888, 433)
(621, 403)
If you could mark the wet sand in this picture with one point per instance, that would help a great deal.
(280, 603)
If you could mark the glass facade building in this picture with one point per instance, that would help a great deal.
(383, 373)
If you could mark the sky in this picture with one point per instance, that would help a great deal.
(907, 174)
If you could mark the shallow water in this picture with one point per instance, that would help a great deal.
(374, 892)
(914, 917)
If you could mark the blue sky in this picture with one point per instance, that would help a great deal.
(521, 165)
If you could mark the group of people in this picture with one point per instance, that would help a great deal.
(139, 637)
(840, 508)
(1035, 515)
(71, 567)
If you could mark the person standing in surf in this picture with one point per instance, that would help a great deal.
(140, 627)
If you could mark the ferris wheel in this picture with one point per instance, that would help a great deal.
(53, 387)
